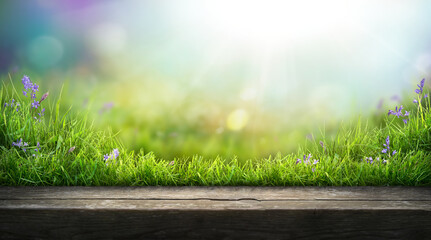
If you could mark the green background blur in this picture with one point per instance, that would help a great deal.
(229, 78)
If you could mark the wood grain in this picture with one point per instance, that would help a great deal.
(215, 213)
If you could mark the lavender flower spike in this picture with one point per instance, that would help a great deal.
(26, 82)
(44, 96)
(387, 149)
(421, 86)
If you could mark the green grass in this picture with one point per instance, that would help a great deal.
(339, 163)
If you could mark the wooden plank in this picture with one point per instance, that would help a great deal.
(213, 205)
(215, 213)
(226, 193)
(312, 224)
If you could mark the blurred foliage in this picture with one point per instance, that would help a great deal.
(159, 118)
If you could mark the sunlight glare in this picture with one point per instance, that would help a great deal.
(275, 21)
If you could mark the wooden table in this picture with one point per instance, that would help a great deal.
(215, 212)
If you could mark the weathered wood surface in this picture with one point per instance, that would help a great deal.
(215, 212)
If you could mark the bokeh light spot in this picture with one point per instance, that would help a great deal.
(45, 51)
(237, 120)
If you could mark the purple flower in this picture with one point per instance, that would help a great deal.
(310, 136)
(115, 153)
(42, 112)
(29, 86)
(44, 96)
(420, 90)
(323, 145)
(35, 104)
(18, 143)
(396, 98)
(12, 104)
(421, 86)
(387, 149)
(380, 104)
(313, 169)
(405, 121)
(26, 82)
(35, 88)
(306, 159)
(398, 113)
(73, 148)
(315, 162)
(37, 149)
(106, 107)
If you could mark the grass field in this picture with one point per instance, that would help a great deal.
(45, 142)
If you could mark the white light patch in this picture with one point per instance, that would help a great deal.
(108, 38)
(275, 21)
(248, 94)
(423, 63)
